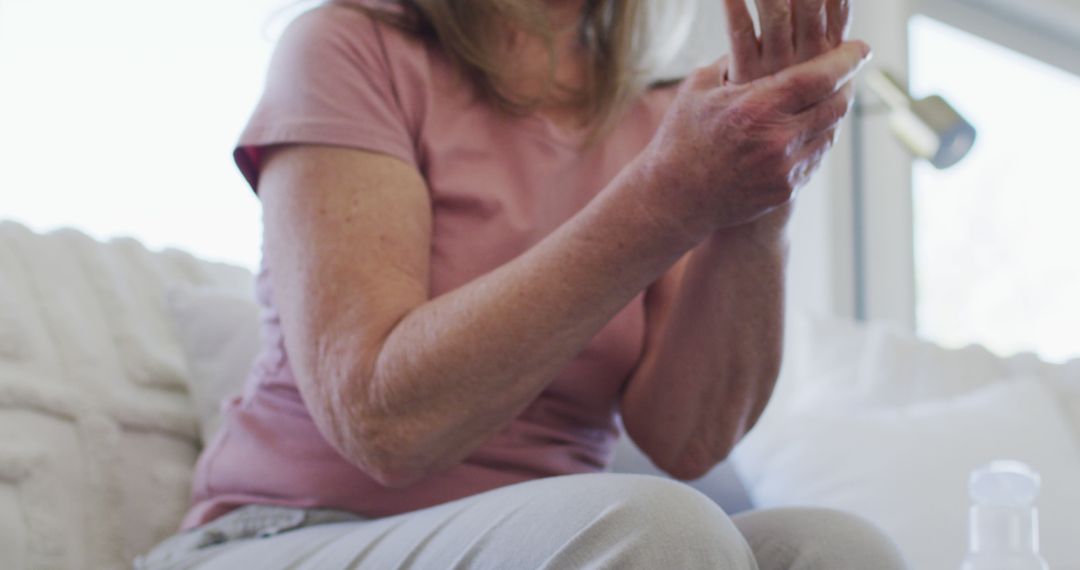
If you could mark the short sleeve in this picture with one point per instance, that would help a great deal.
(330, 82)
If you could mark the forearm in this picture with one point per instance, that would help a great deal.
(713, 357)
(459, 367)
(715, 339)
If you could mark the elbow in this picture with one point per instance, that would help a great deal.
(691, 466)
(377, 442)
(688, 472)
(394, 475)
(393, 470)
(389, 457)
(686, 458)
(378, 445)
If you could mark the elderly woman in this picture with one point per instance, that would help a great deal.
(485, 236)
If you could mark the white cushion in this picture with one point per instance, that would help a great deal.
(97, 432)
(219, 332)
(840, 364)
(906, 468)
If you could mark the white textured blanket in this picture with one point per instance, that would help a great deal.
(97, 433)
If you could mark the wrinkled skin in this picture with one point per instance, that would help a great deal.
(744, 135)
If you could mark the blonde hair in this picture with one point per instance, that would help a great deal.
(627, 42)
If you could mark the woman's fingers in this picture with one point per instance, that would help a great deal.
(823, 118)
(839, 20)
(792, 31)
(777, 48)
(802, 86)
(745, 50)
(810, 29)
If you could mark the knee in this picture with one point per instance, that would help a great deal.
(664, 523)
(817, 539)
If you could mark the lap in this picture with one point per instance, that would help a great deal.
(577, 521)
(814, 538)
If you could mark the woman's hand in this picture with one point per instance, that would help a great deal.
(728, 153)
(796, 31)
(792, 31)
(744, 135)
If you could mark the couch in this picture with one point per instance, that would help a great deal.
(114, 359)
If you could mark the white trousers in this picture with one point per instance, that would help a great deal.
(594, 521)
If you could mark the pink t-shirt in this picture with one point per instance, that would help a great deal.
(498, 186)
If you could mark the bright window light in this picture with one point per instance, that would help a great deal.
(117, 117)
(997, 236)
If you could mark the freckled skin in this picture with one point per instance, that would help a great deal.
(404, 385)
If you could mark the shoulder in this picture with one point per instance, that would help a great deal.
(341, 52)
(347, 30)
(340, 77)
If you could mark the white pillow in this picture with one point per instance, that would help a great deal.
(219, 334)
(845, 364)
(839, 364)
(906, 469)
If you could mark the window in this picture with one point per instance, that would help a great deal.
(117, 117)
(997, 237)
